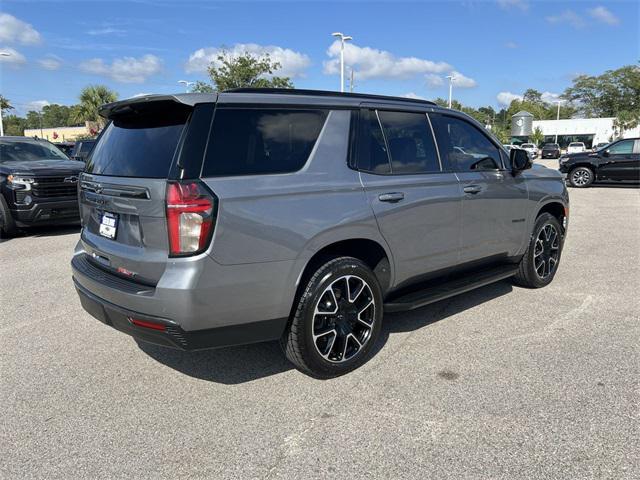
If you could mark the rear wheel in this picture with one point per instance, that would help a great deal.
(7, 225)
(581, 177)
(337, 319)
(540, 262)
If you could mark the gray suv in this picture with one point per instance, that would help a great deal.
(254, 215)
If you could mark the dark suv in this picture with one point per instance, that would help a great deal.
(38, 185)
(252, 215)
(616, 162)
(550, 150)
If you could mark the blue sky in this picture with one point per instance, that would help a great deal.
(496, 49)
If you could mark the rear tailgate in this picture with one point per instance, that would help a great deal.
(123, 191)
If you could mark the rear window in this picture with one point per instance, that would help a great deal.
(574, 144)
(261, 141)
(137, 146)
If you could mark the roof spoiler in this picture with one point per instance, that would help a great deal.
(130, 105)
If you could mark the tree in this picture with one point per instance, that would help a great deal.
(14, 125)
(245, 70)
(626, 120)
(537, 136)
(202, 87)
(5, 104)
(606, 95)
(91, 99)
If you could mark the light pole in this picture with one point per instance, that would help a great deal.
(343, 38)
(2, 54)
(451, 78)
(558, 121)
(186, 84)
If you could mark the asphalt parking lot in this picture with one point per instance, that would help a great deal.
(502, 382)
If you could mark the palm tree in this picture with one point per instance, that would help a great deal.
(5, 104)
(91, 99)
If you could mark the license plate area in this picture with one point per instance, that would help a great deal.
(108, 225)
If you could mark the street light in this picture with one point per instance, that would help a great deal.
(2, 54)
(451, 78)
(343, 38)
(186, 84)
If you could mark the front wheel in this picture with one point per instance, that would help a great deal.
(539, 264)
(581, 177)
(337, 319)
(7, 225)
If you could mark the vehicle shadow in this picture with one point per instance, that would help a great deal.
(236, 365)
(50, 231)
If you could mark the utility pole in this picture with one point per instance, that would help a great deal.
(351, 82)
(451, 78)
(343, 38)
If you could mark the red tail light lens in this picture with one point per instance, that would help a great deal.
(190, 218)
(147, 324)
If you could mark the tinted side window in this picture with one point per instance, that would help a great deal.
(464, 146)
(621, 148)
(372, 151)
(411, 144)
(261, 141)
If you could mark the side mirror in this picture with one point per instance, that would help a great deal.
(519, 160)
(606, 153)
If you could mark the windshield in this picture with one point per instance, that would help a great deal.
(528, 145)
(576, 144)
(551, 145)
(11, 151)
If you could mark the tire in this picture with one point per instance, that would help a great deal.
(7, 225)
(329, 335)
(581, 177)
(531, 274)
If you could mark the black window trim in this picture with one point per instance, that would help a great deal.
(390, 108)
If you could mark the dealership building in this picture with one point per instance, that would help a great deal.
(590, 131)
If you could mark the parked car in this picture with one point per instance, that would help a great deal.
(290, 215)
(82, 149)
(615, 162)
(38, 185)
(531, 149)
(576, 147)
(600, 145)
(550, 150)
(65, 147)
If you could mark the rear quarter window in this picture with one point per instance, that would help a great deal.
(247, 141)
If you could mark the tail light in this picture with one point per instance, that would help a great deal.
(190, 217)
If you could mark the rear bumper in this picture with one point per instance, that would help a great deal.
(47, 213)
(169, 333)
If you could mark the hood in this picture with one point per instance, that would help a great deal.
(42, 167)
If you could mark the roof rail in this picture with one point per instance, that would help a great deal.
(324, 93)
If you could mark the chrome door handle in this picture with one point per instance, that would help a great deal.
(473, 189)
(392, 197)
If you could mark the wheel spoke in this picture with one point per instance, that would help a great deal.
(334, 302)
(354, 296)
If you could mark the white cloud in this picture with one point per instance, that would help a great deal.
(14, 57)
(106, 31)
(604, 15)
(519, 4)
(50, 62)
(462, 81)
(13, 30)
(550, 97)
(126, 69)
(505, 98)
(511, 45)
(36, 105)
(413, 95)
(568, 16)
(292, 64)
(373, 63)
(433, 80)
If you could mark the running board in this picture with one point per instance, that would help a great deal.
(449, 288)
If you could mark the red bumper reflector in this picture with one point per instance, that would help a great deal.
(146, 324)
